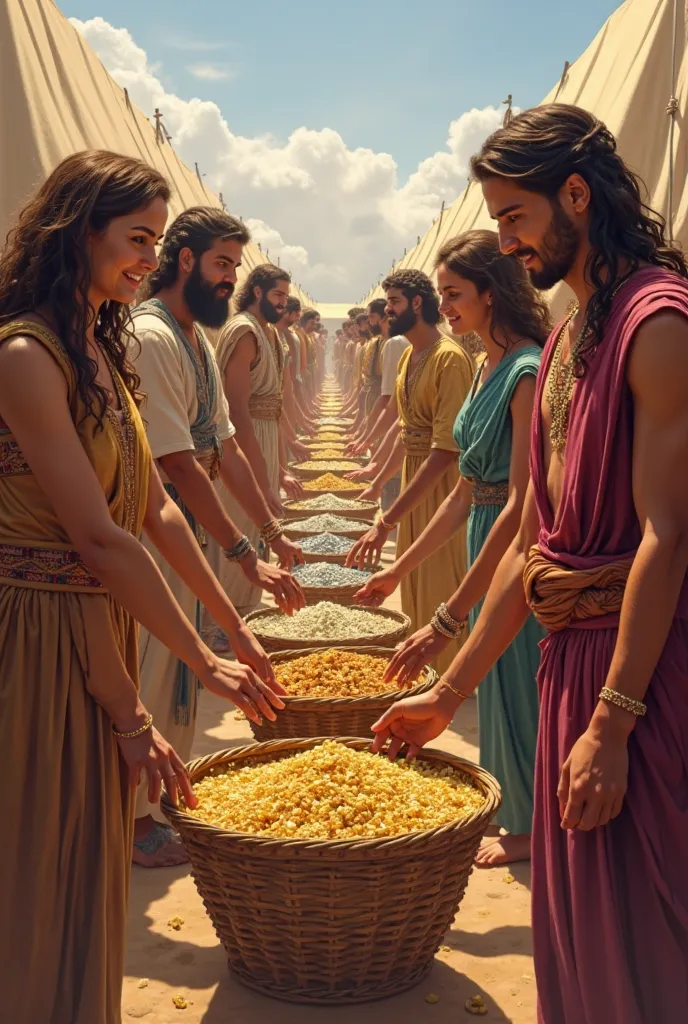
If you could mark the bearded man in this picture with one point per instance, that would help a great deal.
(251, 361)
(601, 559)
(193, 442)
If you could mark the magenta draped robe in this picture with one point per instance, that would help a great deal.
(610, 907)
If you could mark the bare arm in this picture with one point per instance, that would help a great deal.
(417, 720)
(450, 517)
(477, 580)
(368, 548)
(168, 529)
(384, 421)
(237, 385)
(195, 489)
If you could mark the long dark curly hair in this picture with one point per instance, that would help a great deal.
(45, 264)
(516, 306)
(539, 150)
(264, 276)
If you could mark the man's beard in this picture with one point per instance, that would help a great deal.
(270, 313)
(403, 323)
(557, 252)
(206, 306)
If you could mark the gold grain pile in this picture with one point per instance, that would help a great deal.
(334, 674)
(334, 792)
(330, 482)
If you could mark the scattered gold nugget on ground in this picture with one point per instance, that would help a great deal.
(175, 923)
(180, 1002)
(476, 1006)
(432, 998)
(509, 879)
(143, 983)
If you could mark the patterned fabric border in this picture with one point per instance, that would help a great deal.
(12, 461)
(490, 494)
(53, 567)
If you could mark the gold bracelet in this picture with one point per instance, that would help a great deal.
(636, 707)
(463, 696)
(386, 526)
(448, 619)
(135, 732)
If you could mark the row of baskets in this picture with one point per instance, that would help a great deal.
(337, 921)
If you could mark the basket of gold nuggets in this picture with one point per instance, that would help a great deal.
(331, 874)
(335, 692)
(328, 482)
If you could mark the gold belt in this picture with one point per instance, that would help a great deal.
(490, 494)
(46, 568)
(417, 442)
(265, 409)
(559, 596)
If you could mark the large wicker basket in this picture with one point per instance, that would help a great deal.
(336, 716)
(337, 595)
(331, 922)
(367, 511)
(366, 524)
(394, 628)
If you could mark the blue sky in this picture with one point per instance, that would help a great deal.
(386, 76)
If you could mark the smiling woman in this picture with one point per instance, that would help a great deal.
(77, 487)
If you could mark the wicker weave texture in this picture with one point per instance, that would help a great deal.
(394, 627)
(339, 716)
(332, 922)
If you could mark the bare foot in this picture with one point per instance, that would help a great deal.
(157, 845)
(503, 850)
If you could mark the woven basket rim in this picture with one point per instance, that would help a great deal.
(401, 620)
(354, 703)
(345, 592)
(201, 766)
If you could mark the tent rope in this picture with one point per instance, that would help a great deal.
(562, 80)
(672, 110)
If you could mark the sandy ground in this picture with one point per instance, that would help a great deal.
(487, 951)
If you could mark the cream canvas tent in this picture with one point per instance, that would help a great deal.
(56, 98)
(634, 77)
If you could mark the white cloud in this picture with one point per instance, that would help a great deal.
(335, 216)
(212, 72)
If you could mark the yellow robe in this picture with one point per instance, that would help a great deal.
(429, 399)
(68, 812)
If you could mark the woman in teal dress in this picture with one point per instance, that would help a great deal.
(489, 294)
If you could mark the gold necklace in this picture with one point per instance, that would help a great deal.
(562, 377)
(562, 380)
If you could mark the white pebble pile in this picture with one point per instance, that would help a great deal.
(326, 544)
(324, 621)
(328, 575)
(327, 524)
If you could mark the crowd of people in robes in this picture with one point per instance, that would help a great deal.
(528, 472)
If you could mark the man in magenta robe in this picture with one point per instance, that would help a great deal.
(601, 559)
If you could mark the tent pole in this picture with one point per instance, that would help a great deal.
(672, 111)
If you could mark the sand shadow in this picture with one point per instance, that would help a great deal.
(514, 940)
(233, 1002)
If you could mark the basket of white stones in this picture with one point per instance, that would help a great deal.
(317, 626)
(323, 581)
(347, 508)
(298, 529)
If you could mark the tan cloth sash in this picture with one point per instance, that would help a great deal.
(558, 596)
(417, 440)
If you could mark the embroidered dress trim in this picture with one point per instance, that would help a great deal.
(490, 494)
(45, 567)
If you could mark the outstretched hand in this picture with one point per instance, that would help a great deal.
(412, 722)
